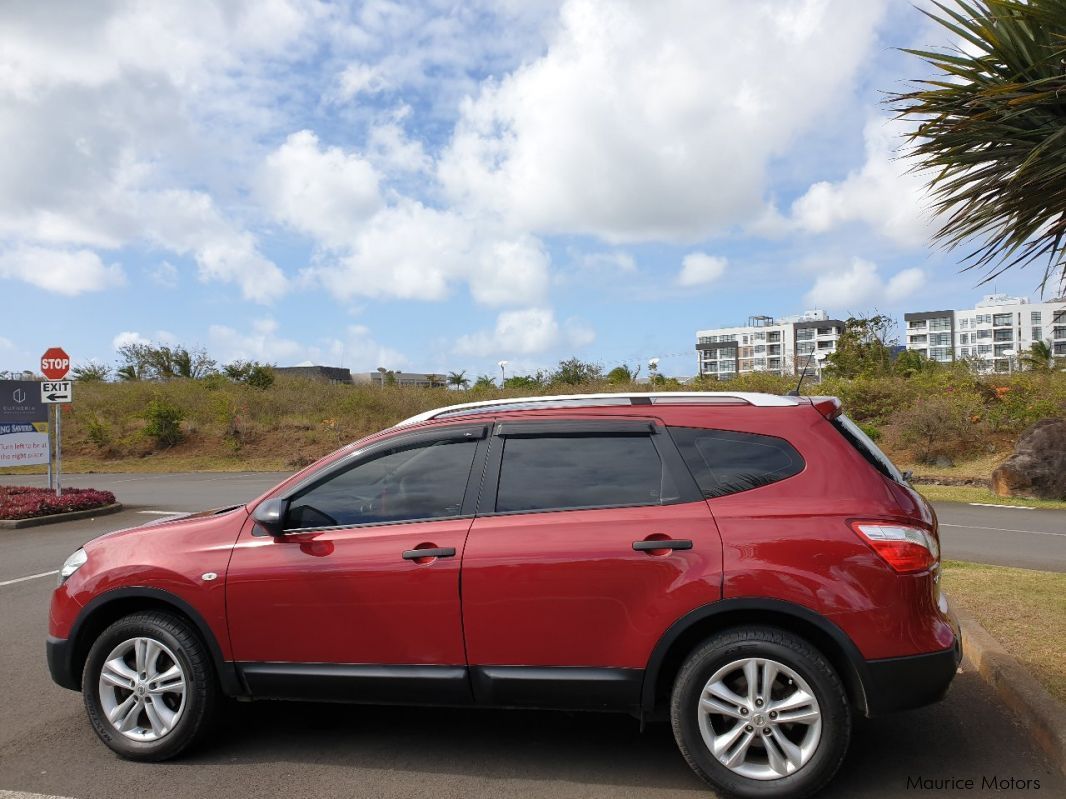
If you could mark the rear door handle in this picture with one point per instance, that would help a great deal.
(667, 543)
(437, 552)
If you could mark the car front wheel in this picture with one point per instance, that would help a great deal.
(758, 712)
(149, 686)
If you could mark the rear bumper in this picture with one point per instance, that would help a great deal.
(61, 663)
(905, 683)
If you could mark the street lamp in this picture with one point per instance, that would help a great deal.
(818, 358)
(503, 372)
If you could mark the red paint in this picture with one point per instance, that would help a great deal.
(55, 363)
(561, 588)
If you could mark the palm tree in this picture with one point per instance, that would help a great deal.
(459, 380)
(1040, 358)
(434, 380)
(990, 125)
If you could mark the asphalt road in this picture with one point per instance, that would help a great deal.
(295, 750)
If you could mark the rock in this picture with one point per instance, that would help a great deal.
(944, 462)
(1038, 466)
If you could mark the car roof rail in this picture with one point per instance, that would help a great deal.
(601, 400)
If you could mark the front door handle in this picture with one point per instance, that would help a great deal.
(435, 552)
(664, 543)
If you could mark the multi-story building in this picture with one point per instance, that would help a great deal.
(991, 335)
(782, 346)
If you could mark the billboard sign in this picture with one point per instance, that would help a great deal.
(23, 424)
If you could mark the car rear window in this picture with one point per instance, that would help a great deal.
(726, 462)
(866, 447)
(559, 472)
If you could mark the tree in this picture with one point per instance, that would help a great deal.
(458, 380)
(574, 372)
(141, 361)
(91, 372)
(253, 373)
(911, 362)
(1040, 357)
(620, 375)
(484, 382)
(864, 348)
(521, 381)
(990, 126)
(435, 380)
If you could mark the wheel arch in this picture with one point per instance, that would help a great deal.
(686, 633)
(109, 607)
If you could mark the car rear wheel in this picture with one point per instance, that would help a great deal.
(758, 712)
(149, 686)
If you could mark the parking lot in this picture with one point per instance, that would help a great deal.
(294, 750)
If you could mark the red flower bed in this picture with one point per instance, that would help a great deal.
(23, 502)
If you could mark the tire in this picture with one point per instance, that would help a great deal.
(777, 758)
(133, 673)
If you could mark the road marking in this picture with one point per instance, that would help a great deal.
(30, 577)
(1002, 529)
(994, 505)
(23, 795)
(162, 512)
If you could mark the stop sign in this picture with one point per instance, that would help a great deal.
(55, 363)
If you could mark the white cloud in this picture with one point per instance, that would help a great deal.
(321, 191)
(861, 285)
(165, 274)
(6, 343)
(69, 272)
(390, 149)
(639, 122)
(357, 349)
(525, 332)
(410, 251)
(127, 337)
(699, 269)
(610, 261)
(882, 194)
(360, 79)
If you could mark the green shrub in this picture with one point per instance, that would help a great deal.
(97, 431)
(163, 422)
(872, 431)
(260, 376)
(945, 426)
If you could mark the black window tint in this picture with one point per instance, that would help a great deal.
(866, 447)
(425, 482)
(554, 472)
(724, 462)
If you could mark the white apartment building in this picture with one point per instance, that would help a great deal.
(782, 346)
(992, 335)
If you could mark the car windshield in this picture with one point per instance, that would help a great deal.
(867, 448)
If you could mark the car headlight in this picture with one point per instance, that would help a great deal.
(72, 564)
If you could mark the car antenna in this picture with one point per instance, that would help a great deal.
(796, 391)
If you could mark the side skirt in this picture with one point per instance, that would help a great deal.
(556, 687)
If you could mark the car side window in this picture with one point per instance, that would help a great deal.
(420, 482)
(581, 471)
(726, 462)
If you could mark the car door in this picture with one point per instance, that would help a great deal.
(359, 598)
(591, 539)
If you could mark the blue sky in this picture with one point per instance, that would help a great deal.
(435, 186)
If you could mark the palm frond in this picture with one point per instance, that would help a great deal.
(989, 132)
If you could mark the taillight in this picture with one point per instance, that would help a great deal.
(906, 549)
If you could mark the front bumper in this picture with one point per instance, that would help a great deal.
(61, 662)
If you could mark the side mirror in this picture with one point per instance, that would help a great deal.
(270, 515)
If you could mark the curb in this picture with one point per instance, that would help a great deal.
(1042, 714)
(14, 524)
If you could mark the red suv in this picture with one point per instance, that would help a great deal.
(751, 567)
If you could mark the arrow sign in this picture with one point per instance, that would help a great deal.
(57, 391)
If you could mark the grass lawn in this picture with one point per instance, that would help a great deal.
(1025, 610)
(936, 493)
